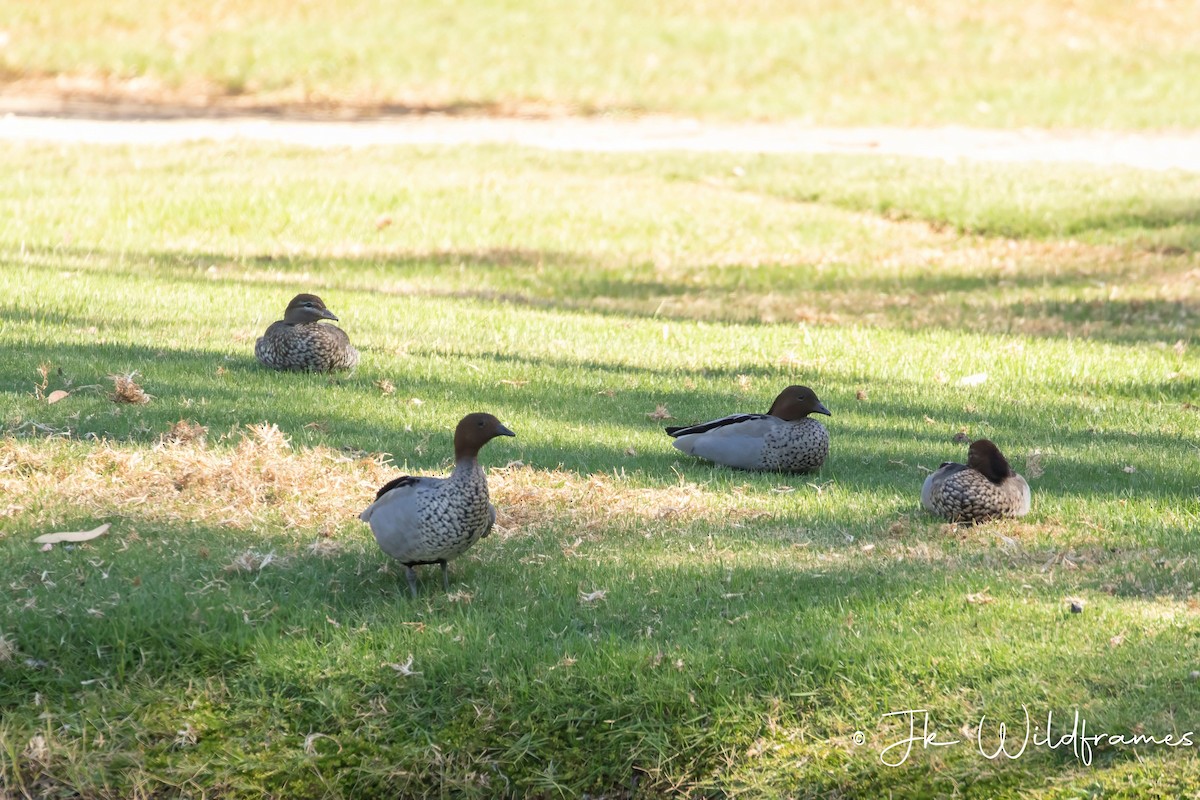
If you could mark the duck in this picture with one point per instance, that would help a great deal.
(984, 488)
(425, 520)
(785, 439)
(300, 342)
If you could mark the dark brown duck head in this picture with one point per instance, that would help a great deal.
(797, 402)
(473, 432)
(306, 308)
(983, 456)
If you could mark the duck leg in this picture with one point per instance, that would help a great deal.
(411, 574)
(445, 576)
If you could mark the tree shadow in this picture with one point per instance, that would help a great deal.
(307, 644)
(571, 281)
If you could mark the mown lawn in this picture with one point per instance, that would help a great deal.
(640, 623)
(1059, 63)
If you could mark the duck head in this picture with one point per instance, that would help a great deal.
(473, 432)
(986, 458)
(306, 308)
(797, 402)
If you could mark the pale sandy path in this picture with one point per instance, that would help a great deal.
(1146, 150)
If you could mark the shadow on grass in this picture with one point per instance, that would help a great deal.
(570, 281)
(879, 445)
(684, 664)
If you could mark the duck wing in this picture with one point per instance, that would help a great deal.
(934, 483)
(712, 425)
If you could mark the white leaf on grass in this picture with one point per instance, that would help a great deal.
(73, 536)
(973, 380)
(56, 395)
(310, 742)
(592, 597)
(404, 669)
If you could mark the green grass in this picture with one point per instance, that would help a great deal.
(1098, 63)
(750, 624)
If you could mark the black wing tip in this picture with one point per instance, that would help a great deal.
(675, 429)
(395, 483)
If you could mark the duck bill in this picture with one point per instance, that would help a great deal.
(503, 431)
(821, 409)
(327, 314)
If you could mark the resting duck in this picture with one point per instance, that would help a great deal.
(983, 488)
(784, 439)
(300, 342)
(432, 520)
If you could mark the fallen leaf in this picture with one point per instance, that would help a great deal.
(385, 386)
(515, 384)
(860, 395)
(73, 536)
(56, 395)
(980, 598)
(1129, 468)
(592, 597)
(382, 221)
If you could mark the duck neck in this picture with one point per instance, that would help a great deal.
(466, 467)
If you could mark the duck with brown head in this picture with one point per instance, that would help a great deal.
(785, 439)
(300, 342)
(984, 488)
(419, 520)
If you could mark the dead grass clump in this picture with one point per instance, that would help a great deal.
(253, 561)
(8, 648)
(1033, 465)
(185, 432)
(127, 390)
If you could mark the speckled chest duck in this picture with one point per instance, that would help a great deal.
(300, 342)
(983, 488)
(433, 520)
(784, 439)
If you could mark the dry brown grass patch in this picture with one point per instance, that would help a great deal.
(181, 480)
(527, 497)
(262, 481)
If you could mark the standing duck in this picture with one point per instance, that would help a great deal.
(432, 520)
(300, 342)
(983, 488)
(784, 439)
